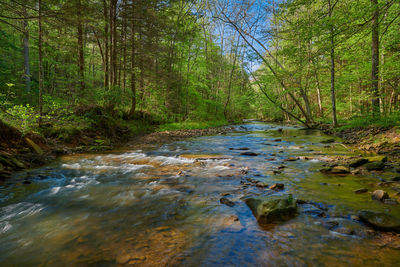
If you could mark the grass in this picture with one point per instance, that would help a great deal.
(367, 121)
(188, 125)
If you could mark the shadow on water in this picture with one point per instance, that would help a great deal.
(155, 208)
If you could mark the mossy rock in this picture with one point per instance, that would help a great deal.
(375, 166)
(358, 162)
(34, 146)
(340, 170)
(377, 159)
(270, 209)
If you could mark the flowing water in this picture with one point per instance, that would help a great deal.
(151, 206)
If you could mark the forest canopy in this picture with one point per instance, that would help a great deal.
(319, 61)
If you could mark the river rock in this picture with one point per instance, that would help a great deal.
(396, 179)
(381, 221)
(277, 186)
(240, 148)
(361, 191)
(227, 202)
(379, 195)
(375, 166)
(340, 170)
(278, 140)
(291, 159)
(358, 162)
(261, 185)
(269, 209)
(248, 153)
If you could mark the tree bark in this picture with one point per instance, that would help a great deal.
(133, 64)
(332, 57)
(375, 59)
(106, 48)
(81, 58)
(40, 63)
(27, 70)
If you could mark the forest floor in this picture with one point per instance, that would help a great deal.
(383, 140)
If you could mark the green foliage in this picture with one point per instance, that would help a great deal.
(187, 125)
(22, 117)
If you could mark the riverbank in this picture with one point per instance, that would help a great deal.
(20, 151)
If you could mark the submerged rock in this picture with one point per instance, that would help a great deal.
(240, 148)
(344, 231)
(271, 209)
(379, 195)
(381, 221)
(390, 201)
(227, 202)
(248, 153)
(329, 224)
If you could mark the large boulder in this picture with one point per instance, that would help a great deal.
(380, 221)
(269, 209)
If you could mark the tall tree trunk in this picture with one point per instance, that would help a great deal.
(124, 45)
(332, 56)
(375, 59)
(133, 76)
(81, 58)
(113, 43)
(106, 47)
(231, 77)
(27, 71)
(40, 64)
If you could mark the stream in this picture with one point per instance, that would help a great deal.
(159, 205)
